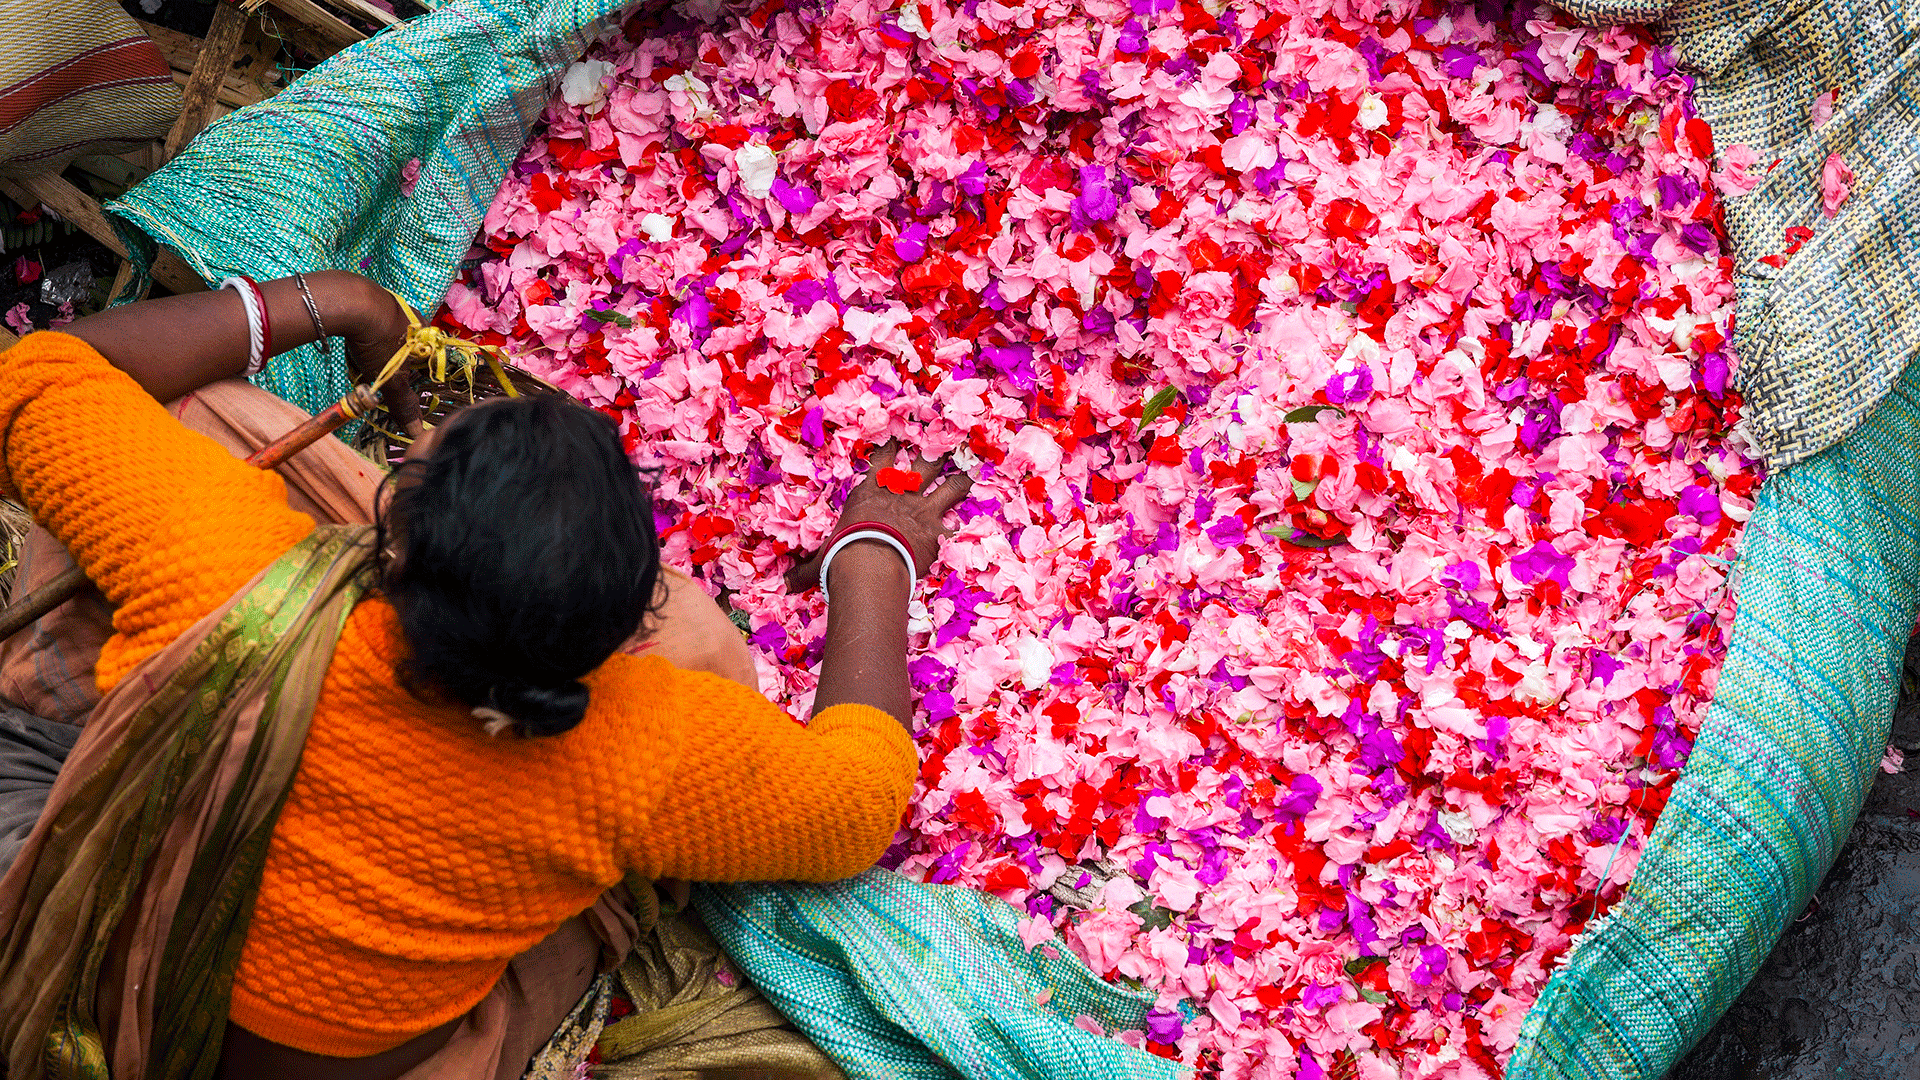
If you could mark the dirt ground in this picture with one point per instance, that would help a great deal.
(1840, 995)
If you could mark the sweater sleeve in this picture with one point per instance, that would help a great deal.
(758, 797)
(162, 519)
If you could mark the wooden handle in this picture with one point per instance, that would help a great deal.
(28, 609)
(275, 454)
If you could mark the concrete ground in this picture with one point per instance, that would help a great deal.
(1840, 995)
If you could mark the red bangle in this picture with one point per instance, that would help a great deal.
(266, 318)
(876, 526)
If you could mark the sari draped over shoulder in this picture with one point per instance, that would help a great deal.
(125, 912)
(539, 1021)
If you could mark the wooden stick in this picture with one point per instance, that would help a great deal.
(232, 95)
(254, 76)
(118, 172)
(363, 10)
(181, 50)
(210, 71)
(29, 608)
(121, 279)
(172, 271)
(72, 204)
(275, 454)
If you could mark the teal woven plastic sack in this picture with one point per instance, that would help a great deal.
(1827, 594)
(896, 980)
(314, 177)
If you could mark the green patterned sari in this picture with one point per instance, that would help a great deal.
(122, 921)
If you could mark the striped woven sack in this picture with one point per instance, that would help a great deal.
(77, 77)
(1827, 591)
(897, 980)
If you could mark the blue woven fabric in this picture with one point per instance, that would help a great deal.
(310, 179)
(1829, 579)
(896, 980)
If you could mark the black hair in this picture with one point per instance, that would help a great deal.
(519, 555)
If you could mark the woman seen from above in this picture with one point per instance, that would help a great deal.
(523, 709)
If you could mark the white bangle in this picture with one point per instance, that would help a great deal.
(913, 573)
(256, 323)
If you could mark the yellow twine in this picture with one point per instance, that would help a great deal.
(433, 346)
(390, 436)
(350, 409)
(500, 372)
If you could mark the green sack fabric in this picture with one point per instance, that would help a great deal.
(312, 178)
(897, 980)
(1829, 577)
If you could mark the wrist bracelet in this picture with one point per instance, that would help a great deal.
(849, 536)
(876, 526)
(313, 310)
(255, 304)
(266, 323)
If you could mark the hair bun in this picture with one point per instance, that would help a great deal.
(540, 710)
(496, 615)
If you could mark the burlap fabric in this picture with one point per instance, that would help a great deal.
(1824, 338)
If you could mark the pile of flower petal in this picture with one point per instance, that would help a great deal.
(1347, 389)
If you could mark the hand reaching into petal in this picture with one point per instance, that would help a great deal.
(864, 660)
(914, 509)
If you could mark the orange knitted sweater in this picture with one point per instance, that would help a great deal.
(416, 855)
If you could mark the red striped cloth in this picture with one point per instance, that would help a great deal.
(78, 77)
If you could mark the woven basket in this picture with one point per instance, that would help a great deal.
(464, 385)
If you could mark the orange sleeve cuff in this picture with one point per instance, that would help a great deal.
(895, 752)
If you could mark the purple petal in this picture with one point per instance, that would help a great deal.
(797, 200)
(1348, 387)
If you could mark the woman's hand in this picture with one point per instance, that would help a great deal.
(864, 660)
(917, 514)
(374, 328)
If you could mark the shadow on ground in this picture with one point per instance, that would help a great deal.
(1840, 996)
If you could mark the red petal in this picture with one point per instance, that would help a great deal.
(899, 481)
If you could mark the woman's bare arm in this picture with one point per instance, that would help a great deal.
(865, 660)
(177, 344)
